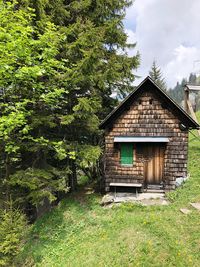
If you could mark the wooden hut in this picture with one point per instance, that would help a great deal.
(146, 140)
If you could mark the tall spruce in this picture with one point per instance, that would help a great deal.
(156, 75)
(56, 85)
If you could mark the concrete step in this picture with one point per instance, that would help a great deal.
(155, 186)
(154, 191)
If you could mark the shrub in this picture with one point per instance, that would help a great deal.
(13, 230)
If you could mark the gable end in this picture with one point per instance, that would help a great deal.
(168, 102)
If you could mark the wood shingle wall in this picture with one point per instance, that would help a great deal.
(147, 116)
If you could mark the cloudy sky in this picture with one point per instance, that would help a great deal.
(167, 31)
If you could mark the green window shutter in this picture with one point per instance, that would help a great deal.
(126, 155)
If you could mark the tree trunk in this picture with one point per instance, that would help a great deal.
(44, 207)
(72, 183)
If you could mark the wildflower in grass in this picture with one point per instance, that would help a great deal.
(190, 259)
(179, 253)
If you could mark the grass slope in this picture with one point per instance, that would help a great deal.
(81, 233)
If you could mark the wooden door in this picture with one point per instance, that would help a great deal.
(154, 164)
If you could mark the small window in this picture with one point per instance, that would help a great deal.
(151, 101)
(126, 154)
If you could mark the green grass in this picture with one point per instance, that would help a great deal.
(81, 233)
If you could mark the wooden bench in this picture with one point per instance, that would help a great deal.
(126, 185)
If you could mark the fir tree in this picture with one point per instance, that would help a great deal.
(156, 75)
(94, 33)
(56, 83)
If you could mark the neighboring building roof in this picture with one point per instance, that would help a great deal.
(130, 139)
(192, 87)
(184, 116)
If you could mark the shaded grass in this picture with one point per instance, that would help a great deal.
(81, 233)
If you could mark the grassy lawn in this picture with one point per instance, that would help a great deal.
(81, 233)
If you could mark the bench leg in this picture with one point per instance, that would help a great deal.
(136, 192)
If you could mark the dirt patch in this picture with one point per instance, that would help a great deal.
(81, 195)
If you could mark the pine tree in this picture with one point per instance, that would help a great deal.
(156, 75)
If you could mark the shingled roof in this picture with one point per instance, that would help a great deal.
(149, 83)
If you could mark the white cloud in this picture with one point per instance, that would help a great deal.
(167, 31)
(131, 36)
(182, 63)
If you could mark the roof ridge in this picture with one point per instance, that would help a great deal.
(148, 78)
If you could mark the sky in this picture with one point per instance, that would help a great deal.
(167, 31)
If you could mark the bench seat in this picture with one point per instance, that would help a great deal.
(138, 185)
(126, 184)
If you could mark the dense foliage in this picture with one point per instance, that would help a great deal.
(60, 63)
(32, 98)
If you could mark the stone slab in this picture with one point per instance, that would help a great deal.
(185, 211)
(196, 205)
(146, 199)
(107, 199)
